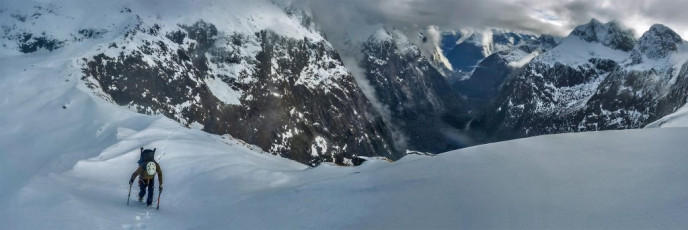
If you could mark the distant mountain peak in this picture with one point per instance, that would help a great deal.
(548, 41)
(391, 35)
(382, 34)
(659, 41)
(610, 34)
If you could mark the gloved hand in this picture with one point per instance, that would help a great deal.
(131, 182)
(160, 188)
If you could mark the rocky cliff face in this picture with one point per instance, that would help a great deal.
(594, 80)
(289, 96)
(418, 100)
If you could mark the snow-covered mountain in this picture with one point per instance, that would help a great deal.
(598, 78)
(262, 72)
(254, 70)
(476, 63)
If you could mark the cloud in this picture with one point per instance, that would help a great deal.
(640, 15)
(420, 14)
(636, 14)
(556, 17)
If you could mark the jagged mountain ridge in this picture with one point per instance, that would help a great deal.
(593, 80)
(610, 34)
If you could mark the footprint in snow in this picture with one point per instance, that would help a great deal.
(140, 219)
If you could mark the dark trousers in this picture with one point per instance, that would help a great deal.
(150, 184)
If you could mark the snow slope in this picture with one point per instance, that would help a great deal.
(600, 180)
(574, 51)
(676, 119)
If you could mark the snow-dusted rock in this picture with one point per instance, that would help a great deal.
(609, 34)
(658, 42)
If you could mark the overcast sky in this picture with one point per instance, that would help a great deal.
(552, 16)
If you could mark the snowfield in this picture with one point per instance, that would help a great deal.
(599, 180)
(66, 156)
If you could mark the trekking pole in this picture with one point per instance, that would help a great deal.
(159, 191)
(129, 195)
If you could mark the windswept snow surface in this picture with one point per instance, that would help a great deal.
(599, 180)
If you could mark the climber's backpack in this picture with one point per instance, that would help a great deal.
(148, 161)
